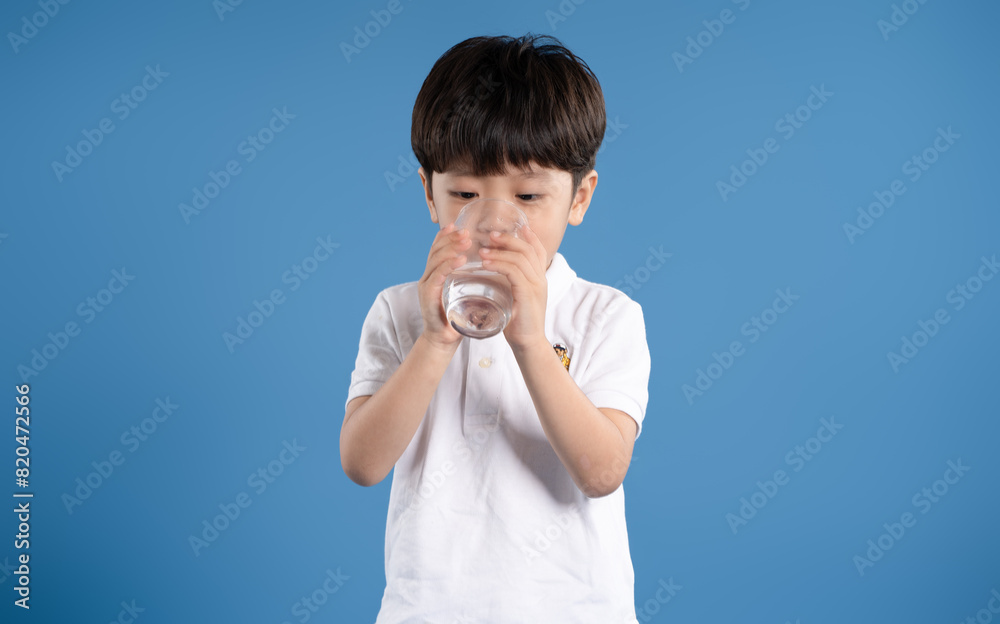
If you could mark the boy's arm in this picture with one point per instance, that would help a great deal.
(378, 428)
(594, 444)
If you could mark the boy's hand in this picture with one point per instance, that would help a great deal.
(522, 261)
(445, 256)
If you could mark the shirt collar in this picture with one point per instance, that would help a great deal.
(558, 276)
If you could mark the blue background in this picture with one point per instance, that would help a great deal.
(676, 131)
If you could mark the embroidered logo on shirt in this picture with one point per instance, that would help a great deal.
(562, 353)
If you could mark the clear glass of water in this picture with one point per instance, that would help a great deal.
(477, 301)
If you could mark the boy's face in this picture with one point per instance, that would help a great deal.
(545, 195)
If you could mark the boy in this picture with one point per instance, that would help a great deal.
(509, 452)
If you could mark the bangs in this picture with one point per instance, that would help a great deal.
(494, 102)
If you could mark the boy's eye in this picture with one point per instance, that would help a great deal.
(528, 196)
(464, 194)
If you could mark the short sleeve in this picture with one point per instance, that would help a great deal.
(379, 353)
(617, 374)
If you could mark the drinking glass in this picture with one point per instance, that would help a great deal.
(477, 301)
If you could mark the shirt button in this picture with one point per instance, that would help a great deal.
(485, 362)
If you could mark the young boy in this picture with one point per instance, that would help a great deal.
(509, 452)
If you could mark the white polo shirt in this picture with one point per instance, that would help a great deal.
(485, 524)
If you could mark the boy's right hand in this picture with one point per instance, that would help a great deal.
(446, 255)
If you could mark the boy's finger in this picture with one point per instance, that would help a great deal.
(441, 271)
(505, 240)
(447, 244)
(531, 246)
(511, 271)
(441, 234)
(520, 246)
(448, 233)
(536, 243)
(448, 256)
(448, 250)
(508, 262)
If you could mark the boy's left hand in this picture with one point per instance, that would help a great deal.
(522, 262)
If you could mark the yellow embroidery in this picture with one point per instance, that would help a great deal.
(562, 353)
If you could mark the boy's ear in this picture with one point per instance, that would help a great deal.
(581, 200)
(428, 195)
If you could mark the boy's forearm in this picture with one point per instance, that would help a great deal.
(586, 441)
(375, 435)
